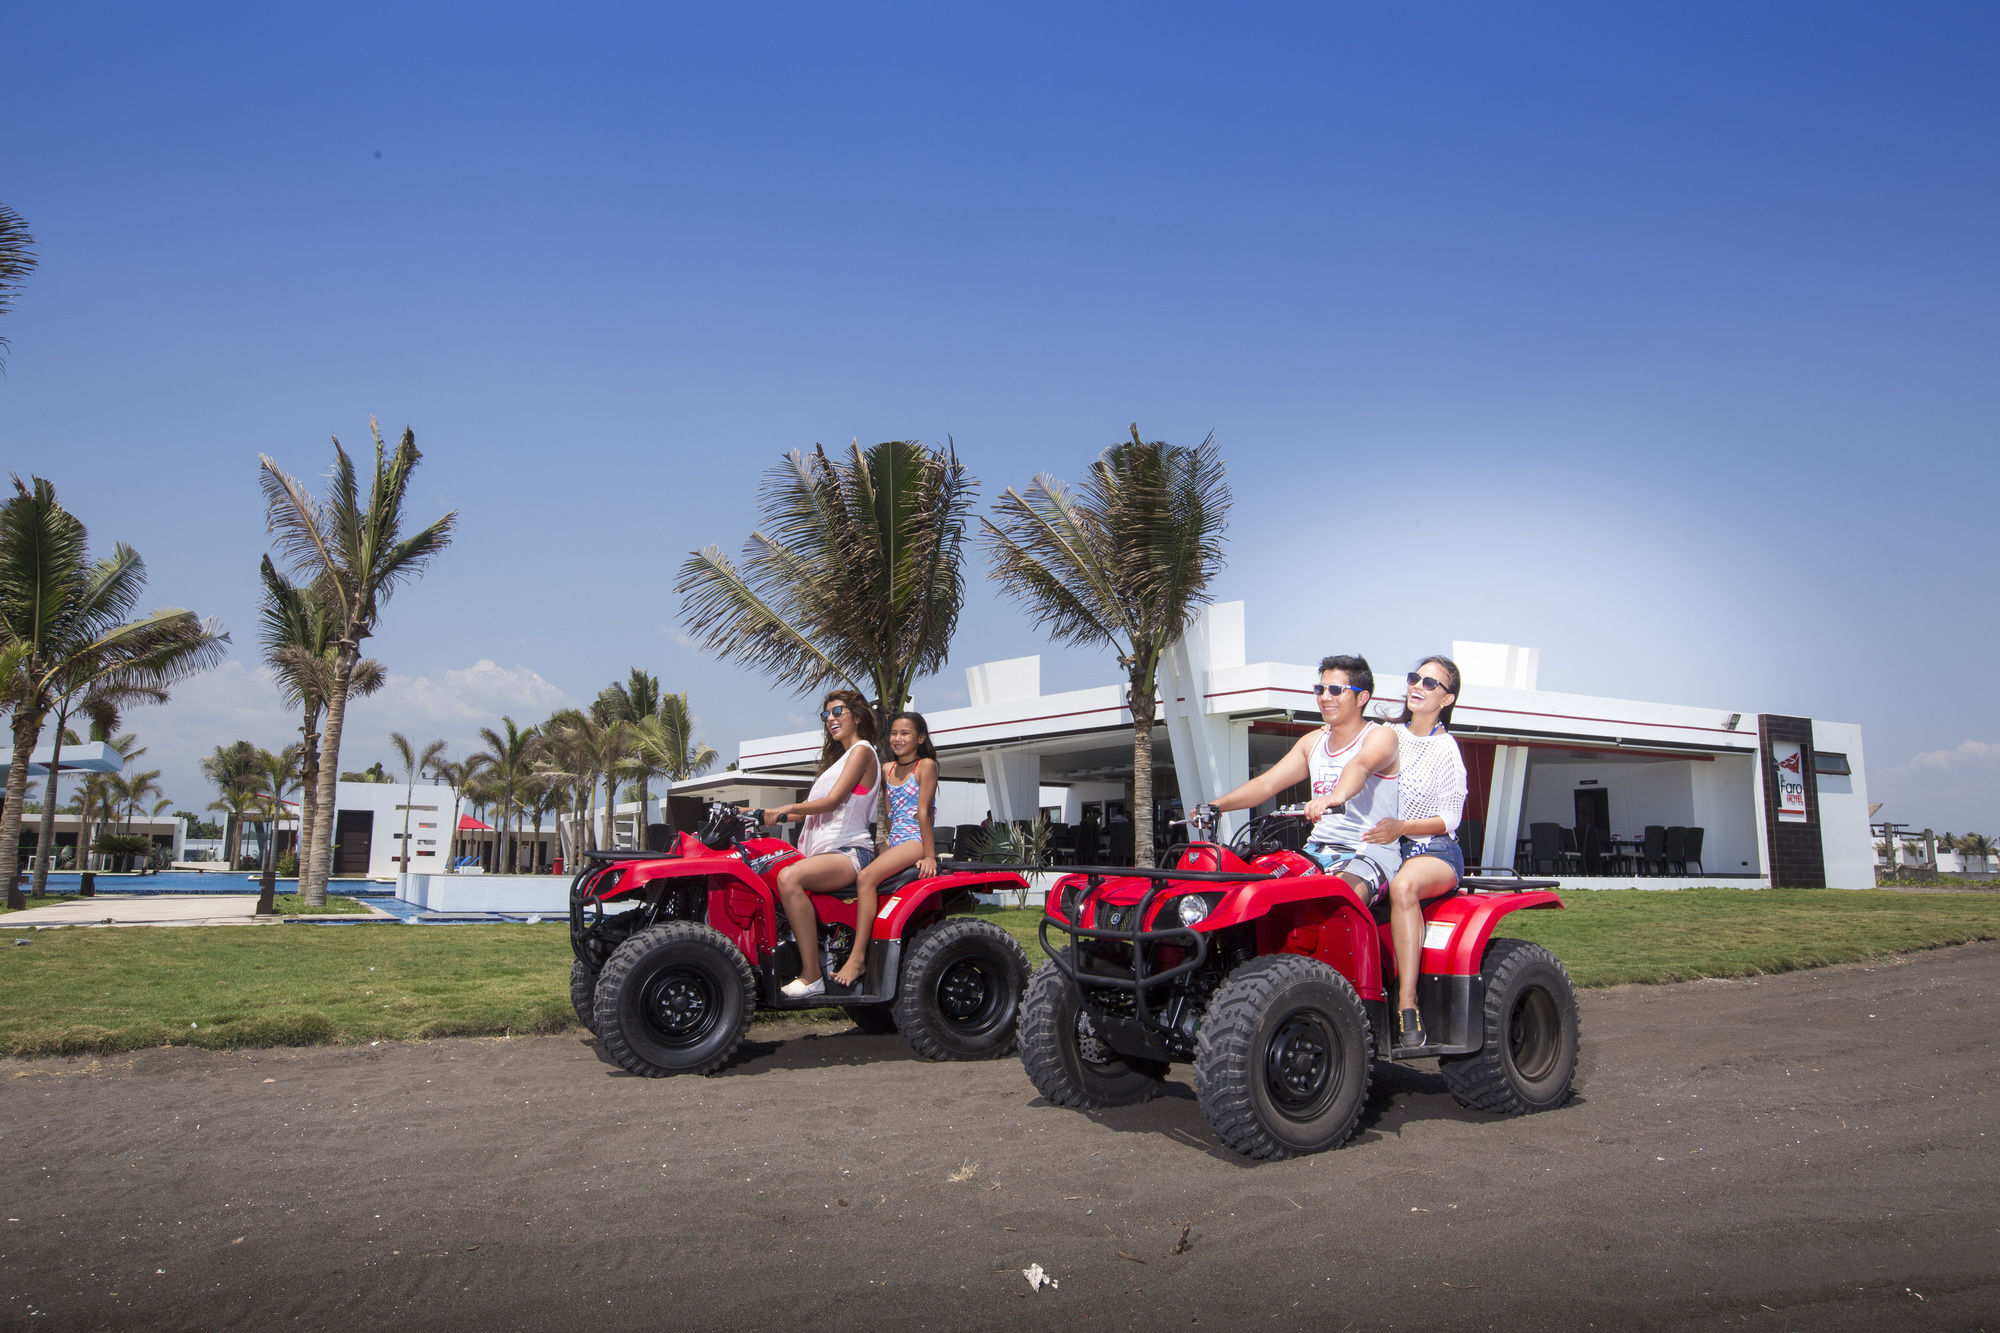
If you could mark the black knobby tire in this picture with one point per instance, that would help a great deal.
(1064, 1060)
(1284, 1059)
(1527, 1056)
(583, 994)
(959, 997)
(674, 999)
(875, 1018)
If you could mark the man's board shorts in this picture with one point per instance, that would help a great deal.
(1443, 846)
(1364, 872)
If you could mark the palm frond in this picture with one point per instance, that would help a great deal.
(17, 260)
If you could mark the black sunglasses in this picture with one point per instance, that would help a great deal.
(829, 714)
(1321, 691)
(1418, 678)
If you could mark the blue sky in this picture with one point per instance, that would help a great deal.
(1659, 339)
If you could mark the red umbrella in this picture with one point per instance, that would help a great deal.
(466, 824)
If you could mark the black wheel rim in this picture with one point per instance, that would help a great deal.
(1302, 1065)
(680, 1006)
(969, 995)
(1534, 1034)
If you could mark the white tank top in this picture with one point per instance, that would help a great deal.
(846, 825)
(1376, 801)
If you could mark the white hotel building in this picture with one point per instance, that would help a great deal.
(1532, 756)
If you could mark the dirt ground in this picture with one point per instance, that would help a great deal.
(1806, 1151)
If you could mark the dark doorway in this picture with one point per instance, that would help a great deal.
(1593, 809)
(353, 840)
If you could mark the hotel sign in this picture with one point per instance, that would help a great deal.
(1789, 765)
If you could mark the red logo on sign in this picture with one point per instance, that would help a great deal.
(1790, 764)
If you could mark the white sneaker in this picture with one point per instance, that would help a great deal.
(799, 990)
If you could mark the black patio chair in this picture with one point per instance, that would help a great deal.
(1653, 849)
(1673, 849)
(1121, 838)
(1691, 855)
(1545, 846)
(968, 842)
(1597, 858)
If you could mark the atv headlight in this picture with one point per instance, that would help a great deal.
(1193, 908)
(1071, 898)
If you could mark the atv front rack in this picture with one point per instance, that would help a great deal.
(1139, 979)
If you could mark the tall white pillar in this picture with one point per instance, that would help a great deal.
(1503, 804)
(1013, 777)
(1211, 754)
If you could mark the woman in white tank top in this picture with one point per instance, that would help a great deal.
(835, 843)
(1431, 798)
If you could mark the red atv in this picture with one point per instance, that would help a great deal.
(1275, 981)
(675, 950)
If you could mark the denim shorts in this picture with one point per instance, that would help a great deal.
(861, 856)
(1444, 847)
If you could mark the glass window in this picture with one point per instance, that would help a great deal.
(1834, 765)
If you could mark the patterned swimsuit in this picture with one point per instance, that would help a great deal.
(903, 797)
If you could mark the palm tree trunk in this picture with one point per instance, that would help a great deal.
(26, 729)
(308, 795)
(267, 891)
(45, 838)
(313, 890)
(1141, 701)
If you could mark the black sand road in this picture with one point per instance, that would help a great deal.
(1810, 1151)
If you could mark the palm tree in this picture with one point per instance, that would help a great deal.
(665, 742)
(509, 761)
(101, 704)
(89, 804)
(857, 579)
(1126, 564)
(16, 262)
(414, 761)
(538, 793)
(68, 614)
(232, 768)
(632, 702)
(352, 547)
(1974, 846)
(279, 773)
(297, 631)
(582, 748)
(457, 776)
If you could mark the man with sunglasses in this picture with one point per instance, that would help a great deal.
(1348, 744)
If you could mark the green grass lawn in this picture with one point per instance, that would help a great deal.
(77, 991)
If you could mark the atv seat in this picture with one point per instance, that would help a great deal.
(900, 879)
(1381, 909)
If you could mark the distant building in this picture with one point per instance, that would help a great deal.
(1777, 799)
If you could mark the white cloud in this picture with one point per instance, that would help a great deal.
(1968, 755)
(475, 696)
(238, 701)
(1956, 789)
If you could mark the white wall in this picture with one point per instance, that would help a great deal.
(1846, 845)
(430, 804)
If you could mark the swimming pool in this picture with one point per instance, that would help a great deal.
(196, 881)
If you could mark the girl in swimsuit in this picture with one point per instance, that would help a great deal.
(911, 781)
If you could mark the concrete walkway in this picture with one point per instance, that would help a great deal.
(195, 909)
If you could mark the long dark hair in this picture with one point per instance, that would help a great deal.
(1451, 683)
(925, 750)
(832, 751)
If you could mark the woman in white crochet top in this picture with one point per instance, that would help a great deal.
(1430, 799)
